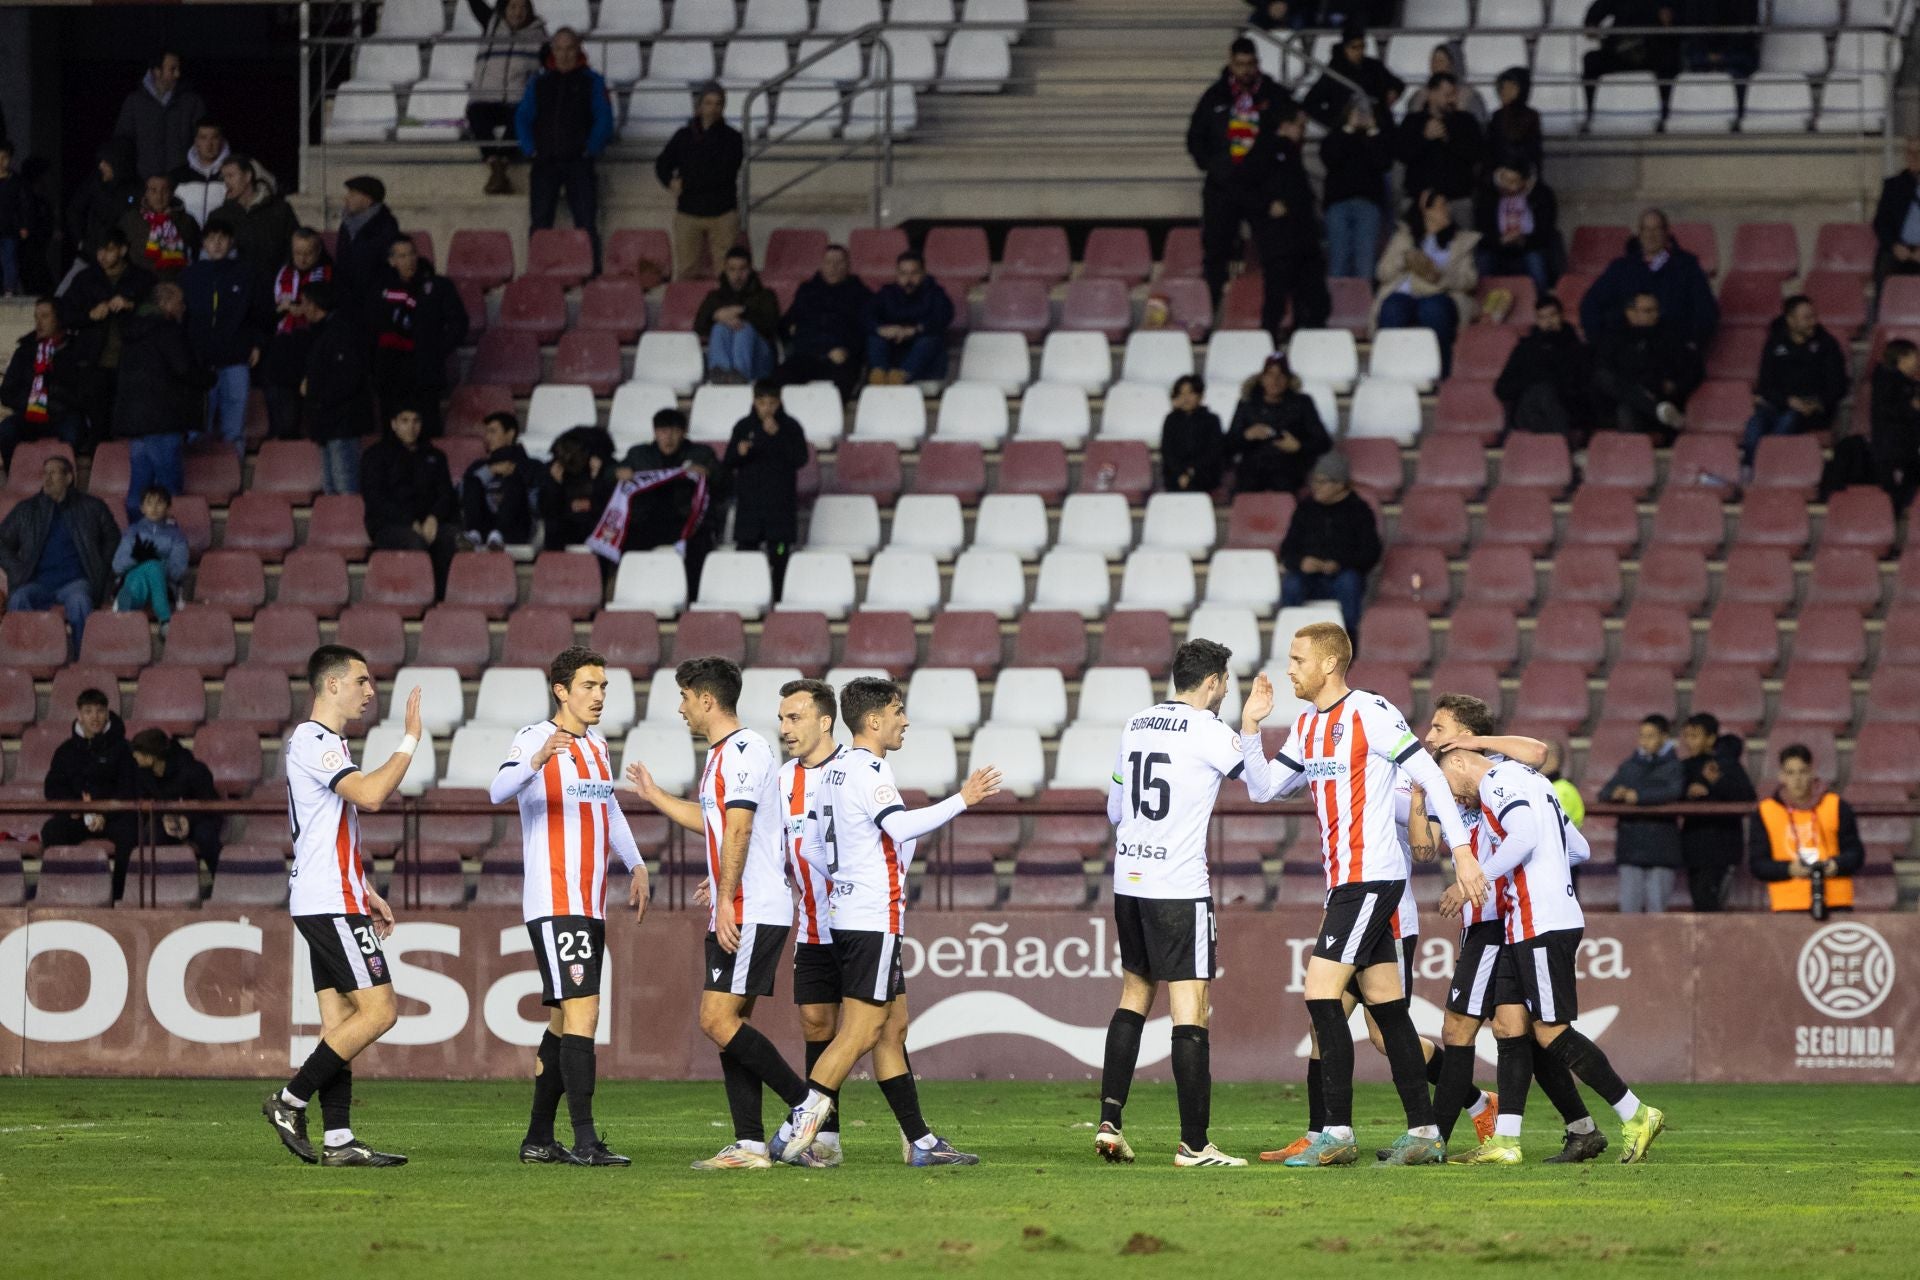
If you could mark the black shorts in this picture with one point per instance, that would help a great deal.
(1476, 977)
(816, 973)
(750, 970)
(1166, 939)
(568, 951)
(870, 967)
(1544, 967)
(344, 953)
(1357, 928)
(1406, 948)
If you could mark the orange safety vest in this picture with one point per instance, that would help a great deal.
(1790, 830)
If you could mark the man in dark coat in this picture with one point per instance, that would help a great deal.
(1331, 545)
(161, 235)
(337, 387)
(564, 122)
(95, 309)
(102, 199)
(1644, 373)
(283, 365)
(165, 770)
(1544, 386)
(1292, 265)
(1232, 138)
(367, 231)
(825, 327)
(162, 395)
(1329, 98)
(262, 220)
(764, 458)
(1653, 262)
(1803, 377)
(497, 493)
(1712, 846)
(1896, 219)
(407, 487)
(223, 326)
(700, 168)
(1648, 849)
(159, 117)
(57, 548)
(907, 326)
(658, 517)
(417, 322)
(93, 764)
(1441, 146)
(580, 479)
(42, 390)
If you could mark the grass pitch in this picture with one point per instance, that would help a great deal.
(172, 1178)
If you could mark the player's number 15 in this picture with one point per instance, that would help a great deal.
(1152, 797)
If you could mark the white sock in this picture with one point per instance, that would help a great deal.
(1342, 1132)
(1507, 1125)
(1425, 1131)
(1312, 1134)
(1479, 1104)
(1626, 1106)
(828, 1140)
(758, 1148)
(297, 1103)
(339, 1137)
(1583, 1125)
(926, 1142)
(814, 1098)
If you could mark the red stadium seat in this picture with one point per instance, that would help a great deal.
(471, 404)
(1469, 409)
(1887, 752)
(882, 638)
(1639, 689)
(1096, 304)
(288, 467)
(1416, 574)
(1840, 299)
(261, 523)
(1772, 247)
(680, 305)
(564, 255)
(1732, 692)
(873, 250)
(1393, 683)
(567, 581)
(1613, 742)
(1603, 518)
(533, 305)
(1618, 460)
(588, 358)
(112, 472)
(473, 298)
(1519, 516)
(18, 705)
(233, 580)
(1672, 575)
(1485, 636)
(284, 637)
(1451, 462)
(793, 254)
(483, 582)
(456, 636)
(1054, 638)
(1699, 239)
(1481, 351)
(1016, 305)
(378, 631)
(1190, 307)
(257, 696)
(213, 475)
(1240, 305)
(957, 257)
(1499, 577)
(629, 247)
(1034, 466)
(1710, 463)
(1720, 408)
(958, 467)
(232, 753)
(36, 642)
(121, 642)
(1860, 517)
(29, 458)
(1519, 317)
(1773, 518)
(625, 639)
(195, 518)
(1658, 634)
(1689, 518)
(1591, 578)
(1537, 460)
(1570, 632)
(1836, 636)
(1352, 305)
(868, 467)
(1734, 354)
(711, 633)
(1815, 693)
(1844, 246)
(401, 579)
(797, 638)
(1048, 877)
(1758, 575)
(1180, 256)
(70, 682)
(170, 698)
(534, 636)
(1375, 466)
(1900, 301)
(1750, 297)
(1593, 248)
(1844, 577)
(1117, 466)
(507, 359)
(76, 876)
(484, 258)
(1137, 638)
(971, 638)
(1744, 633)
(1893, 695)
(1117, 253)
(1399, 634)
(1038, 253)
(315, 578)
(1475, 678)
(1789, 462)
(1434, 518)
(613, 305)
(338, 522)
(1258, 521)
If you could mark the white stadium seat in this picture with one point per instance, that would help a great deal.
(1157, 357)
(1247, 578)
(1864, 51)
(1404, 355)
(1113, 695)
(990, 579)
(848, 522)
(1409, 56)
(362, 112)
(1567, 15)
(1134, 411)
(627, 18)
(1801, 52)
(702, 18)
(716, 407)
(1234, 355)
(945, 697)
(752, 62)
(928, 522)
(1562, 107)
(1033, 697)
(898, 414)
(805, 112)
(926, 762)
(1073, 580)
(1287, 623)
(1054, 411)
(1777, 102)
(515, 695)
(1231, 625)
(817, 407)
(1155, 578)
(1084, 761)
(836, 17)
(1384, 407)
(1626, 103)
(905, 580)
(436, 112)
(442, 705)
(476, 754)
(1324, 404)
(1438, 15)
(1006, 13)
(555, 408)
(1015, 522)
(619, 711)
(1016, 751)
(682, 62)
(974, 411)
(738, 581)
(1097, 522)
(655, 111)
(630, 422)
(923, 11)
(663, 698)
(1323, 355)
(617, 60)
(1822, 15)
(566, 13)
(976, 62)
(651, 581)
(1856, 105)
(999, 359)
(843, 65)
(914, 61)
(1183, 522)
(671, 359)
(1488, 55)
(775, 17)
(869, 113)
(384, 739)
(760, 687)
(1510, 13)
(819, 581)
(413, 17)
(666, 750)
(1702, 102)
(393, 65)
(1077, 358)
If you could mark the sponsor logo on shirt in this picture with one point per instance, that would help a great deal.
(600, 791)
(1326, 768)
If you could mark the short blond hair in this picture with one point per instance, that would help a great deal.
(1329, 640)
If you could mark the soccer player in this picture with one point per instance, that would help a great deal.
(865, 837)
(1534, 850)
(1350, 746)
(333, 906)
(741, 814)
(1173, 757)
(569, 823)
(806, 732)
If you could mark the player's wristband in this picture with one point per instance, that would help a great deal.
(407, 745)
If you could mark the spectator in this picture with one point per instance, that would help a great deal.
(163, 238)
(1571, 803)
(1232, 138)
(1644, 374)
(337, 387)
(513, 39)
(1515, 137)
(15, 221)
(907, 326)
(764, 459)
(42, 390)
(1348, 65)
(1713, 774)
(1292, 266)
(56, 547)
(1193, 449)
(1896, 220)
(263, 222)
(1736, 52)
(1441, 145)
(418, 322)
(700, 167)
(1359, 166)
(582, 479)
(1277, 434)
(660, 517)
(1648, 849)
(1637, 50)
(165, 770)
(93, 764)
(497, 493)
(283, 367)
(407, 487)
(160, 116)
(825, 327)
(1449, 58)
(161, 394)
(367, 232)
(1801, 827)
(1895, 430)
(564, 122)
(98, 303)
(150, 563)
(102, 200)
(223, 330)
(1653, 262)
(1281, 15)
(740, 319)
(1518, 217)
(1803, 377)
(1427, 275)
(1544, 385)
(1332, 544)
(205, 157)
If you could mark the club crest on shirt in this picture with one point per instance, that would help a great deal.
(1339, 732)
(513, 753)
(332, 760)
(578, 972)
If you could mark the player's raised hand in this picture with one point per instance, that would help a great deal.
(554, 745)
(1468, 875)
(413, 713)
(1259, 704)
(980, 784)
(642, 780)
(640, 893)
(382, 913)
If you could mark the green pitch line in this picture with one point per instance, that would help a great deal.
(107, 1178)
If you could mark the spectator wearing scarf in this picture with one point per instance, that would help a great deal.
(162, 234)
(41, 390)
(284, 363)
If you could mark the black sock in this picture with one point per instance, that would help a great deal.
(757, 1054)
(1123, 1054)
(1456, 1086)
(1316, 1097)
(825, 1092)
(547, 1090)
(1336, 1062)
(1515, 1073)
(814, 1049)
(1435, 1067)
(1584, 1058)
(743, 1099)
(1193, 1083)
(336, 1100)
(315, 1072)
(576, 1074)
(903, 1095)
(1558, 1084)
(1403, 1056)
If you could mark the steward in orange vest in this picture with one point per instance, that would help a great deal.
(1798, 827)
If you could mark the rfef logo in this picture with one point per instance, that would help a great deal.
(1846, 970)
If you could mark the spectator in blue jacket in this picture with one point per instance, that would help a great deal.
(151, 560)
(564, 122)
(907, 326)
(1653, 262)
(221, 329)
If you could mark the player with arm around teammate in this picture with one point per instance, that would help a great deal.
(560, 772)
(342, 919)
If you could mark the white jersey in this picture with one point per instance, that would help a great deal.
(812, 889)
(570, 820)
(1536, 893)
(868, 867)
(1172, 760)
(1406, 919)
(328, 878)
(742, 773)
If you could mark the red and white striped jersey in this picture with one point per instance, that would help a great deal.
(812, 890)
(867, 866)
(1534, 879)
(570, 820)
(1351, 754)
(328, 878)
(742, 773)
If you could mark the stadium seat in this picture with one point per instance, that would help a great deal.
(1537, 460)
(956, 467)
(957, 257)
(1034, 467)
(1831, 635)
(1772, 248)
(169, 698)
(1497, 577)
(1245, 578)
(1157, 578)
(1617, 459)
(653, 582)
(456, 636)
(231, 752)
(1702, 102)
(1844, 577)
(1054, 638)
(1138, 638)
(378, 632)
(1078, 359)
(18, 705)
(883, 639)
(483, 582)
(76, 876)
(1029, 697)
(1036, 253)
(1434, 518)
(120, 642)
(1692, 518)
(1789, 462)
(847, 523)
(258, 696)
(1182, 522)
(1327, 356)
(1601, 517)
(1814, 693)
(1551, 694)
(287, 467)
(508, 359)
(1758, 575)
(1844, 247)
(1773, 518)
(1124, 467)
(1887, 753)
(1593, 249)
(945, 698)
(990, 580)
(1481, 351)
(1744, 633)
(1860, 517)
(1840, 298)
(1519, 516)
(904, 580)
(284, 635)
(716, 632)
(1482, 637)
(965, 638)
(821, 580)
(1075, 580)
(737, 581)
(232, 580)
(400, 579)
(1259, 520)
(928, 762)
(1375, 467)
(1467, 409)
(1567, 631)
(996, 360)
(669, 359)
(1098, 522)
(874, 249)
(261, 523)
(898, 414)
(534, 635)
(1017, 305)
(1672, 575)
(1455, 463)
(1477, 679)
(1415, 574)
(869, 467)
(68, 683)
(1405, 355)
(1733, 693)
(1590, 578)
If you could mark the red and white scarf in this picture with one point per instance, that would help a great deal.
(43, 354)
(610, 535)
(165, 249)
(398, 336)
(288, 284)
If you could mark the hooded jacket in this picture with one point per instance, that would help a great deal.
(707, 161)
(762, 306)
(185, 779)
(1559, 359)
(1688, 308)
(160, 128)
(100, 767)
(1345, 532)
(1514, 133)
(1192, 443)
(423, 318)
(23, 536)
(99, 203)
(162, 387)
(261, 230)
(1716, 841)
(223, 325)
(404, 486)
(1649, 842)
(507, 58)
(192, 169)
(1259, 465)
(1815, 369)
(1233, 152)
(167, 541)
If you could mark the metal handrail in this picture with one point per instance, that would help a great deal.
(882, 140)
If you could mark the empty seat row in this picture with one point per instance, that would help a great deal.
(425, 19)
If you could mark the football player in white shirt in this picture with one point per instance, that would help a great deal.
(1172, 760)
(1534, 852)
(333, 906)
(865, 836)
(561, 773)
(1350, 747)
(740, 814)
